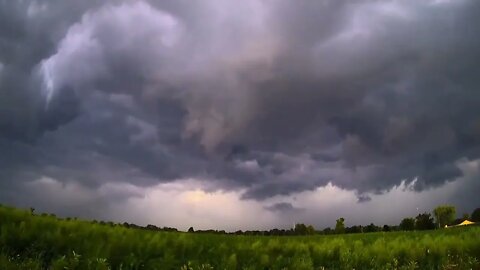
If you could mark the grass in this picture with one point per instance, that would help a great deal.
(44, 242)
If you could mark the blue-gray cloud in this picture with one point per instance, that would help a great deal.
(272, 98)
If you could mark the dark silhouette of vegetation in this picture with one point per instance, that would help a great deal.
(407, 224)
(424, 222)
(340, 226)
(354, 229)
(371, 228)
(475, 217)
(302, 229)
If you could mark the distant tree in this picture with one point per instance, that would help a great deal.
(310, 229)
(444, 215)
(191, 230)
(424, 222)
(32, 211)
(354, 229)
(166, 229)
(371, 228)
(394, 228)
(302, 229)
(327, 230)
(340, 226)
(407, 224)
(386, 228)
(276, 232)
(475, 217)
(152, 227)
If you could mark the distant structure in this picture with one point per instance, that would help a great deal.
(464, 223)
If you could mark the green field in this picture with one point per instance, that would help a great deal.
(44, 242)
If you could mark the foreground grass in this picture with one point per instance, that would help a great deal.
(43, 242)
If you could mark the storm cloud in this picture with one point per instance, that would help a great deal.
(262, 98)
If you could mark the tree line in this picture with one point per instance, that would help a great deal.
(441, 216)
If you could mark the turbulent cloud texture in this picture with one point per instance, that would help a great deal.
(265, 99)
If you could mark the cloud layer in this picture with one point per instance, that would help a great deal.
(259, 98)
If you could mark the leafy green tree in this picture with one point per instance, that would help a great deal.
(407, 224)
(475, 217)
(310, 229)
(340, 226)
(191, 230)
(424, 222)
(300, 229)
(444, 215)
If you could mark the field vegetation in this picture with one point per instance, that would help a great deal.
(31, 241)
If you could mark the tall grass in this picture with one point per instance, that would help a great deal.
(44, 242)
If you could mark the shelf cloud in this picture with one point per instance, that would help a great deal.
(262, 99)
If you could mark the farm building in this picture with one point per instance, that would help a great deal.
(464, 223)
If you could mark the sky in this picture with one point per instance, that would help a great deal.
(253, 114)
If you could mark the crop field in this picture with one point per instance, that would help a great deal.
(30, 241)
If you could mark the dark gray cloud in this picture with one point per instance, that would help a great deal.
(268, 97)
(363, 198)
(283, 207)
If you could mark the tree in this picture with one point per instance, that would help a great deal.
(371, 228)
(444, 215)
(302, 229)
(424, 222)
(327, 230)
(354, 229)
(475, 217)
(407, 224)
(340, 226)
(191, 230)
(310, 229)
